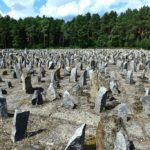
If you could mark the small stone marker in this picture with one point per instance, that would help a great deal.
(122, 111)
(37, 98)
(68, 100)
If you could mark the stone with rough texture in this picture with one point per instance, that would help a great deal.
(20, 122)
(122, 142)
(77, 140)
(122, 111)
(68, 100)
(100, 99)
(3, 107)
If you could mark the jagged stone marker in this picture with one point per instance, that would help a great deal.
(20, 122)
(68, 100)
(100, 99)
(77, 140)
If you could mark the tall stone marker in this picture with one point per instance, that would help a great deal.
(20, 122)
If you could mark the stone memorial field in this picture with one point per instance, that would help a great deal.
(75, 99)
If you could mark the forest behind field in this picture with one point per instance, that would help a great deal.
(129, 29)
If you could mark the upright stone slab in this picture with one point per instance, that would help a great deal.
(82, 79)
(42, 70)
(122, 111)
(20, 122)
(3, 108)
(133, 66)
(51, 93)
(17, 72)
(146, 104)
(100, 100)
(26, 83)
(73, 76)
(113, 86)
(67, 71)
(68, 100)
(122, 142)
(51, 65)
(93, 64)
(147, 92)
(129, 77)
(37, 98)
(77, 140)
(94, 86)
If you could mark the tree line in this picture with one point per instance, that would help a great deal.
(127, 29)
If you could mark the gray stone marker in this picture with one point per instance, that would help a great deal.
(113, 86)
(146, 104)
(76, 142)
(67, 71)
(147, 92)
(100, 100)
(3, 108)
(82, 79)
(17, 72)
(122, 142)
(122, 111)
(129, 77)
(20, 122)
(73, 76)
(68, 100)
(133, 66)
(51, 93)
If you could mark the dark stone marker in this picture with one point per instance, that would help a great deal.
(93, 64)
(37, 98)
(77, 140)
(3, 108)
(9, 85)
(20, 122)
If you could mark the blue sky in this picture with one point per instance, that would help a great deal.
(65, 8)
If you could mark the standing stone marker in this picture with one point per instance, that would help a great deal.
(51, 93)
(20, 122)
(129, 77)
(100, 99)
(73, 76)
(122, 111)
(77, 140)
(147, 92)
(68, 100)
(26, 83)
(146, 104)
(122, 142)
(17, 72)
(3, 108)
(37, 98)
(94, 85)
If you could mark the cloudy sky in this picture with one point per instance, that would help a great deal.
(65, 8)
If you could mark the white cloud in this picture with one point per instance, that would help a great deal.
(20, 8)
(64, 8)
(1, 13)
